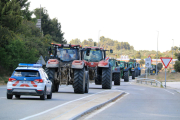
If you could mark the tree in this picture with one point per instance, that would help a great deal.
(177, 66)
(159, 66)
(51, 27)
(26, 13)
(142, 62)
(177, 63)
(138, 55)
(75, 41)
(10, 15)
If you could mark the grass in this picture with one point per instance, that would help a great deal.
(170, 77)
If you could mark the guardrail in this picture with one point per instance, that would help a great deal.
(148, 81)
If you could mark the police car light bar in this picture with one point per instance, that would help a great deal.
(30, 65)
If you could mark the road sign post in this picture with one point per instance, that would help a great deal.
(147, 64)
(166, 61)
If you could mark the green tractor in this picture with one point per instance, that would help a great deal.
(133, 69)
(153, 69)
(116, 73)
(124, 70)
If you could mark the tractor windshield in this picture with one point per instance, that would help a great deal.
(93, 56)
(67, 54)
(121, 64)
(112, 62)
(130, 65)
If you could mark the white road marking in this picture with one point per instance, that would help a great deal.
(169, 92)
(59, 106)
(100, 110)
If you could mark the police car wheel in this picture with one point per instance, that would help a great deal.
(9, 96)
(17, 96)
(43, 97)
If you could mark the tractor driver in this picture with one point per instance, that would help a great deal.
(94, 55)
(66, 56)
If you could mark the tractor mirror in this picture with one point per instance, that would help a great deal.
(111, 51)
(87, 52)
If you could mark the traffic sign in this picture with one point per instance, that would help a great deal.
(148, 62)
(166, 61)
(150, 57)
(107, 58)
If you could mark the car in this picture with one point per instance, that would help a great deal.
(29, 79)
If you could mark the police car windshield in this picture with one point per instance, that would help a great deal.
(94, 56)
(26, 73)
(67, 54)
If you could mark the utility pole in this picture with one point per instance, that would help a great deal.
(157, 52)
(40, 16)
(99, 39)
(172, 52)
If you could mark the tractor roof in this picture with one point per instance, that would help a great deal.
(65, 45)
(94, 47)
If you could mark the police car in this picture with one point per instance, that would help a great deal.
(29, 79)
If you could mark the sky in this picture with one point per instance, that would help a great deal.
(137, 22)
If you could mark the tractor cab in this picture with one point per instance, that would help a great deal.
(65, 52)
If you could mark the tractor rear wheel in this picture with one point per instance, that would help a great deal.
(106, 78)
(51, 75)
(126, 76)
(133, 74)
(116, 77)
(79, 81)
(139, 72)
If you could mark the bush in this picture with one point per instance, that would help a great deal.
(177, 66)
(159, 66)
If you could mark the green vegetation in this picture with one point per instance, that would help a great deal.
(20, 39)
(177, 63)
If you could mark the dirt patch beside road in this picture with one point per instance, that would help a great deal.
(170, 77)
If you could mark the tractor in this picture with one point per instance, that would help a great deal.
(133, 70)
(116, 73)
(153, 69)
(124, 70)
(65, 67)
(98, 68)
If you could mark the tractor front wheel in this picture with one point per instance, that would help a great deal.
(51, 75)
(133, 74)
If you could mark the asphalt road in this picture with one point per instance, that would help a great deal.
(140, 102)
(27, 106)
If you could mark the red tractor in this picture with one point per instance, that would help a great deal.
(99, 69)
(65, 67)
